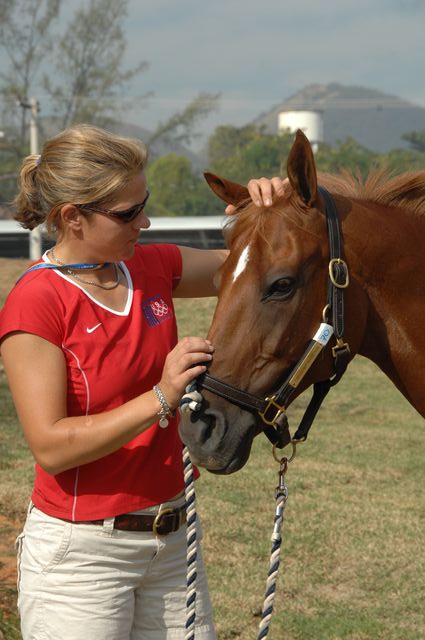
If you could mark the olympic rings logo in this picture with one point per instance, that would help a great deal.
(159, 308)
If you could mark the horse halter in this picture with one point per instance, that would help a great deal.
(272, 409)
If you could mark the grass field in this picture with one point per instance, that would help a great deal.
(353, 552)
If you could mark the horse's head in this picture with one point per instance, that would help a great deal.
(272, 292)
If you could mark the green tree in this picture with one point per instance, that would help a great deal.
(351, 156)
(88, 63)
(181, 126)
(348, 155)
(416, 139)
(227, 141)
(87, 76)
(177, 190)
(241, 153)
(26, 39)
(401, 160)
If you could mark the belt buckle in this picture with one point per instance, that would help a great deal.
(157, 521)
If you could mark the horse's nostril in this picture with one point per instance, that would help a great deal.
(206, 425)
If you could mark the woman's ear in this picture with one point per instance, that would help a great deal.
(71, 216)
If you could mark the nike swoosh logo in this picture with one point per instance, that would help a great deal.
(91, 329)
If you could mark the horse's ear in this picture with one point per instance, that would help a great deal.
(301, 169)
(229, 192)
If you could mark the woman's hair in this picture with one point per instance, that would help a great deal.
(81, 165)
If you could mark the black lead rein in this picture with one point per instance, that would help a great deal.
(272, 409)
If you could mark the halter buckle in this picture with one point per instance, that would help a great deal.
(271, 404)
(340, 344)
(341, 263)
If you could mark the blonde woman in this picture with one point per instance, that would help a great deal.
(89, 343)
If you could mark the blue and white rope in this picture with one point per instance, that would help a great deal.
(192, 401)
(267, 611)
(189, 488)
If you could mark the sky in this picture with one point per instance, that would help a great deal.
(257, 53)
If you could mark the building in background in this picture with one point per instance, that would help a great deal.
(310, 122)
(375, 120)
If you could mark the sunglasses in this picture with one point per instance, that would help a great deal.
(125, 215)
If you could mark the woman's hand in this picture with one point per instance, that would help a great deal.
(182, 365)
(263, 191)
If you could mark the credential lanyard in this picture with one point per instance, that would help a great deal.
(49, 265)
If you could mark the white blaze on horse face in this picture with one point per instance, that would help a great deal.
(242, 262)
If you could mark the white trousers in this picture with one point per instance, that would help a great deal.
(92, 582)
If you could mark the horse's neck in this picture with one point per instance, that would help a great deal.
(388, 261)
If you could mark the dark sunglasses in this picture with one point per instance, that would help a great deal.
(126, 215)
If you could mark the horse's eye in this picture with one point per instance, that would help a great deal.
(280, 289)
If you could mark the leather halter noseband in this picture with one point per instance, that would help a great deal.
(272, 409)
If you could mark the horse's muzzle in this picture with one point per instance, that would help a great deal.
(216, 444)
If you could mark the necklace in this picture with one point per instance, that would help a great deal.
(72, 273)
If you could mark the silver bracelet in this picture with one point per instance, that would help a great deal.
(165, 411)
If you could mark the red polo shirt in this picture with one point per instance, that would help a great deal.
(111, 357)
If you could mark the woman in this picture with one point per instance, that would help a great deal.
(89, 344)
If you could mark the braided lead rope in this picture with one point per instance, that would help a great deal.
(192, 401)
(189, 490)
(281, 497)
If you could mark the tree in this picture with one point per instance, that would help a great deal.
(26, 38)
(416, 139)
(181, 126)
(88, 64)
(227, 141)
(177, 191)
(401, 160)
(241, 153)
(348, 155)
(87, 76)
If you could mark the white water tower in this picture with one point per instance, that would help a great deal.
(310, 122)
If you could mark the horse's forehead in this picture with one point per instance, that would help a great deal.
(241, 263)
(265, 234)
(274, 239)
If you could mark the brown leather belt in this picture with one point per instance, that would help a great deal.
(164, 522)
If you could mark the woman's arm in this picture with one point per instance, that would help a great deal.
(200, 265)
(37, 378)
(198, 271)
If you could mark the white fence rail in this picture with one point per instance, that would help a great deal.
(196, 231)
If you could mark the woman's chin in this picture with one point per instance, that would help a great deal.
(128, 252)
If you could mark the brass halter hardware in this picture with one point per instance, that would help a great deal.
(271, 404)
(338, 285)
(291, 457)
(340, 344)
(325, 312)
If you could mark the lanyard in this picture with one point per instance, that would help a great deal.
(49, 265)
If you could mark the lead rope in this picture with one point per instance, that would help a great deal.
(189, 490)
(281, 494)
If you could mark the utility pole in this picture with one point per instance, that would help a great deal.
(35, 238)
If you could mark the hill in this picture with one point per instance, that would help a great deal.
(376, 120)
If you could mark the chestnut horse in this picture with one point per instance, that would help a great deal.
(274, 291)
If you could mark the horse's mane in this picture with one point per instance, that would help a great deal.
(381, 186)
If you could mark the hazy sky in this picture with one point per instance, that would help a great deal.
(257, 53)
